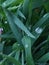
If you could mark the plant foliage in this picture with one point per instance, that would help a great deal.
(24, 32)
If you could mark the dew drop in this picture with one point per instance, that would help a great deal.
(5, 22)
(38, 30)
(4, 4)
(26, 46)
(18, 44)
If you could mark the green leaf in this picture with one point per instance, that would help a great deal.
(21, 14)
(41, 44)
(22, 57)
(14, 7)
(7, 3)
(17, 46)
(26, 41)
(14, 28)
(1, 46)
(1, 63)
(46, 5)
(11, 17)
(11, 59)
(37, 3)
(44, 58)
(7, 35)
(26, 7)
(17, 55)
(39, 27)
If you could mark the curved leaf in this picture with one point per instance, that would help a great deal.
(11, 59)
(44, 58)
(14, 28)
(7, 3)
(26, 41)
(11, 17)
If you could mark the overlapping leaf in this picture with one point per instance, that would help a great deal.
(11, 17)
(40, 26)
(7, 3)
(26, 41)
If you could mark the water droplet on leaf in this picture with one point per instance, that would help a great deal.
(26, 46)
(38, 30)
(5, 22)
(4, 4)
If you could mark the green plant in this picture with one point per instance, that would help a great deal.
(25, 36)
